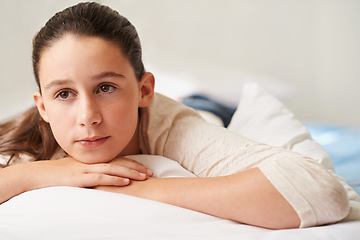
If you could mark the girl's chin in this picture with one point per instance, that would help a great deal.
(92, 158)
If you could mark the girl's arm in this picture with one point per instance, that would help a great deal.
(210, 151)
(249, 197)
(246, 197)
(19, 178)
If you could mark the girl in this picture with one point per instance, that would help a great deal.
(96, 104)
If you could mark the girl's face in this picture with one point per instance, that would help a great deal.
(90, 97)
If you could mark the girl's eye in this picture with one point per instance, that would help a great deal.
(106, 88)
(63, 95)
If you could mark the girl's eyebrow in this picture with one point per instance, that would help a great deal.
(57, 83)
(108, 74)
(96, 77)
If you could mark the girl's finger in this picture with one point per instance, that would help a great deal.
(98, 179)
(116, 170)
(132, 164)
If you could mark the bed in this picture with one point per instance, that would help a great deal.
(77, 213)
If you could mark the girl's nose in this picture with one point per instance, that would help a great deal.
(88, 113)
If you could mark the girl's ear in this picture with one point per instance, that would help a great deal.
(40, 106)
(146, 86)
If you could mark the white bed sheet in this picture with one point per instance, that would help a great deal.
(76, 213)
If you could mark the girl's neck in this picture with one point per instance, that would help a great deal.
(133, 147)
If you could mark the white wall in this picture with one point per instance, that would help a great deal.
(19, 21)
(306, 52)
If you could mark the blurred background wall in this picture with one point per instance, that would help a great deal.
(305, 52)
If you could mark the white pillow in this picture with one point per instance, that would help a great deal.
(163, 167)
(263, 118)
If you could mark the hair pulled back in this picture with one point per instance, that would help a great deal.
(93, 20)
(29, 134)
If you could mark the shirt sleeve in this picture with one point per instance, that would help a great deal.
(3, 161)
(179, 133)
(6, 160)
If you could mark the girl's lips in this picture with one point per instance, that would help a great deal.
(92, 142)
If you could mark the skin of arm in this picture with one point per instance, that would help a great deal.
(19, 178)
(246, 197)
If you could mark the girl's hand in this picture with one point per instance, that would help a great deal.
(23, 177)
(132, 164)
(70, 172)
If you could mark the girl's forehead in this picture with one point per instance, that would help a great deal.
(71, 48)
(74, 56)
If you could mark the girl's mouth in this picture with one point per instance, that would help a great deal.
(92, 142)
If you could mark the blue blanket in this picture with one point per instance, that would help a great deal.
(343, 146)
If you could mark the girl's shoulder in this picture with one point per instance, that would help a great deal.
(162, 106)
(165, 111)
(159, 119)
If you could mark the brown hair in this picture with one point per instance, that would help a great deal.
(29, 134)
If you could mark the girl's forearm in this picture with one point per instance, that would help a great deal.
(246, 197)
(23, 177)
(12, 183)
